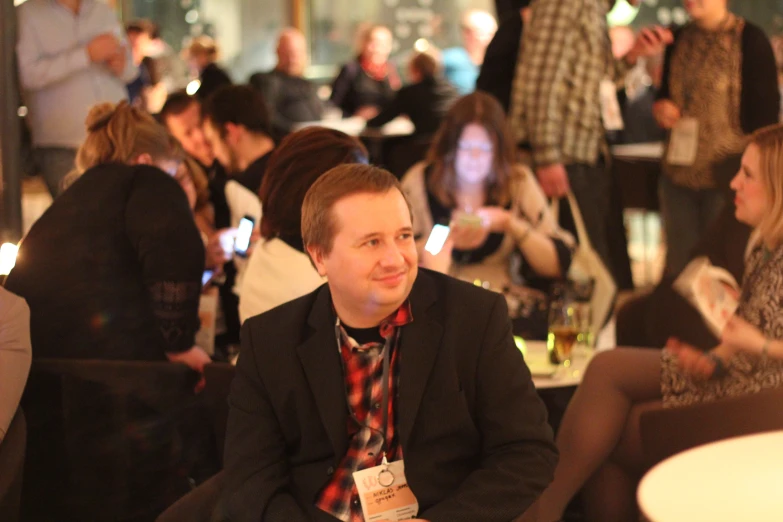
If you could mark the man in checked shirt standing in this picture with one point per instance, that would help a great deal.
(558, 102)
(387, 377)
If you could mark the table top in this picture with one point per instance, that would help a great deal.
(355, 126)
(546, 375)
(727, 481)
(639, 151)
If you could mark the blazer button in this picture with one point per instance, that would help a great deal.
(330, 471)
(377, 406)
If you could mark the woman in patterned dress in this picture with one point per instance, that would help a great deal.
(719, 85)
(600, 429)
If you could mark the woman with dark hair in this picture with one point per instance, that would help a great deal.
(496, 210)
(279, 269)
(112, 270)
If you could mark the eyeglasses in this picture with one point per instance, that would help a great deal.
(484, 148)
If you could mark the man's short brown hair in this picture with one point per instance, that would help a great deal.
(426, 64)
(318, 224)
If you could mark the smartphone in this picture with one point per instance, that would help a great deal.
(437, 239)
(470, 220)
(244, 231)
(206, 277)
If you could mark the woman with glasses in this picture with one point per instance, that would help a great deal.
(501, 228)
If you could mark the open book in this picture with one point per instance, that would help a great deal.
(713, 291)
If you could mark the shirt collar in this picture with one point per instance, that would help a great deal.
(84, 7)
(388, 326)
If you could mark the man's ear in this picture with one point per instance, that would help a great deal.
(232, 131)
(143, 159)
(318, 259)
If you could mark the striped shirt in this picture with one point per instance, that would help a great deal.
(565, 55)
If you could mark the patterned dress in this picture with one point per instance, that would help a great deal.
(761, 304)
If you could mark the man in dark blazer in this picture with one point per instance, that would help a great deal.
(463, 412)
(426, 100)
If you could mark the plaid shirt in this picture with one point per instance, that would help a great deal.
(363, 367)
(565, 55)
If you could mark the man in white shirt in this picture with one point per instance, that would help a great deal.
(72, 55)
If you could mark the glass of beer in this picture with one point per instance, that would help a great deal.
(564, 330)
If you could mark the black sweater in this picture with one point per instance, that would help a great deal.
(112, 270)
(354, 89)
(500, 61)
(425, 103)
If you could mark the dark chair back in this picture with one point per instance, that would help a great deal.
(670, 431)
(12, 452)
(219, 377)
(112, 440)
(403, 152)
(198, 505)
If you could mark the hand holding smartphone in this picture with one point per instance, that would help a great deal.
(437, 239)
(469, 220)
(244, 232)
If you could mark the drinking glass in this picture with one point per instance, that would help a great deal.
(584, 320)
(563, 331)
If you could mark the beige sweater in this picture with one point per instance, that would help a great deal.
(528, 203)
(15, 354)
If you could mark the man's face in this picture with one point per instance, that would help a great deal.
(140, 45)
(292, 54)
(224, 152)
(373, 262)
(186, 129)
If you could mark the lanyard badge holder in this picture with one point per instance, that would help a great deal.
(383, 490)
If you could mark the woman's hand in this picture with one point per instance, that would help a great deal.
(468, 237)
(740, 335)
(692, 361)
(666, 113)
(195, 359)
(220, 247)
(367, 112)
(496, 218)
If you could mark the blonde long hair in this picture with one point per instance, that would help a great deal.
(769, 141)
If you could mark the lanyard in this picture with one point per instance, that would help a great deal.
(385, 385)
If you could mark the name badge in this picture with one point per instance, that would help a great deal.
(684, 142)
(384, 493)
(611, 114)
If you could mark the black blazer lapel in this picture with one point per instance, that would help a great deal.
(420, 343)
(323, 369)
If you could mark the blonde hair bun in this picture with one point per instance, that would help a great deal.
(100, 115)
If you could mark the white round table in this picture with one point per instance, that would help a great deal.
(355, 126)
(734, 480)
(547, 375)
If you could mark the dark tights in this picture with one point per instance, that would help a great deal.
(599, 438)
